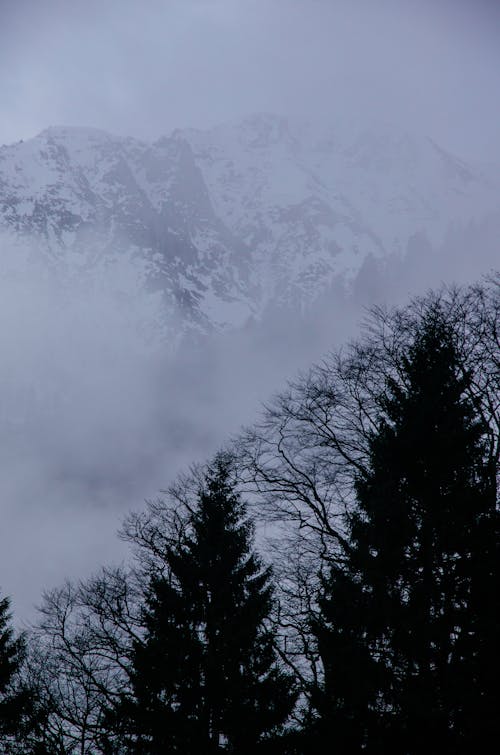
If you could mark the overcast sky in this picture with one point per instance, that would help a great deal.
(144, 67)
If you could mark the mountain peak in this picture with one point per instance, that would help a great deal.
(228, 221)
(62, 132)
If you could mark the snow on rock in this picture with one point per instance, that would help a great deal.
(221, 224)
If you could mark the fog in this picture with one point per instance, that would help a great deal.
(142, 69)
(96, 413)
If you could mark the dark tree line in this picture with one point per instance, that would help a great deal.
(204, 676)
(409, 607)
(15, 699)
(372, 483)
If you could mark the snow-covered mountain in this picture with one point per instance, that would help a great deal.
(225, 223)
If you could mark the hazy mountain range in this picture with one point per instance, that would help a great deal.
(216, 227)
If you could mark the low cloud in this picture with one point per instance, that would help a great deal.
(145, 69)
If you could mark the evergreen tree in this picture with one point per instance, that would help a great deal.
(14, 700)
(205, 679)
(408, 622)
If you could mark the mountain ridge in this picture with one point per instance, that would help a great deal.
(224, 223)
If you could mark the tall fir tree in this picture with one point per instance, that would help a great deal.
(408, 621)
(206, 678)
(15, 701)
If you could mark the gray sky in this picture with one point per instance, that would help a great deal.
(144, 67)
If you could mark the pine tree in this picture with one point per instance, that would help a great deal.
(408, 616)
(14, 700)
(205, 678)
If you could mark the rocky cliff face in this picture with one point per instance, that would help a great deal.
(220, 225)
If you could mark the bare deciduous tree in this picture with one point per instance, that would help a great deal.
(299, 463)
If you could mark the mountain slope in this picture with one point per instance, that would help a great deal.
(225, 223)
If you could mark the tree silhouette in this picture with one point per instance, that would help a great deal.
(407, 622)
(15, 698)
(206, 677)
